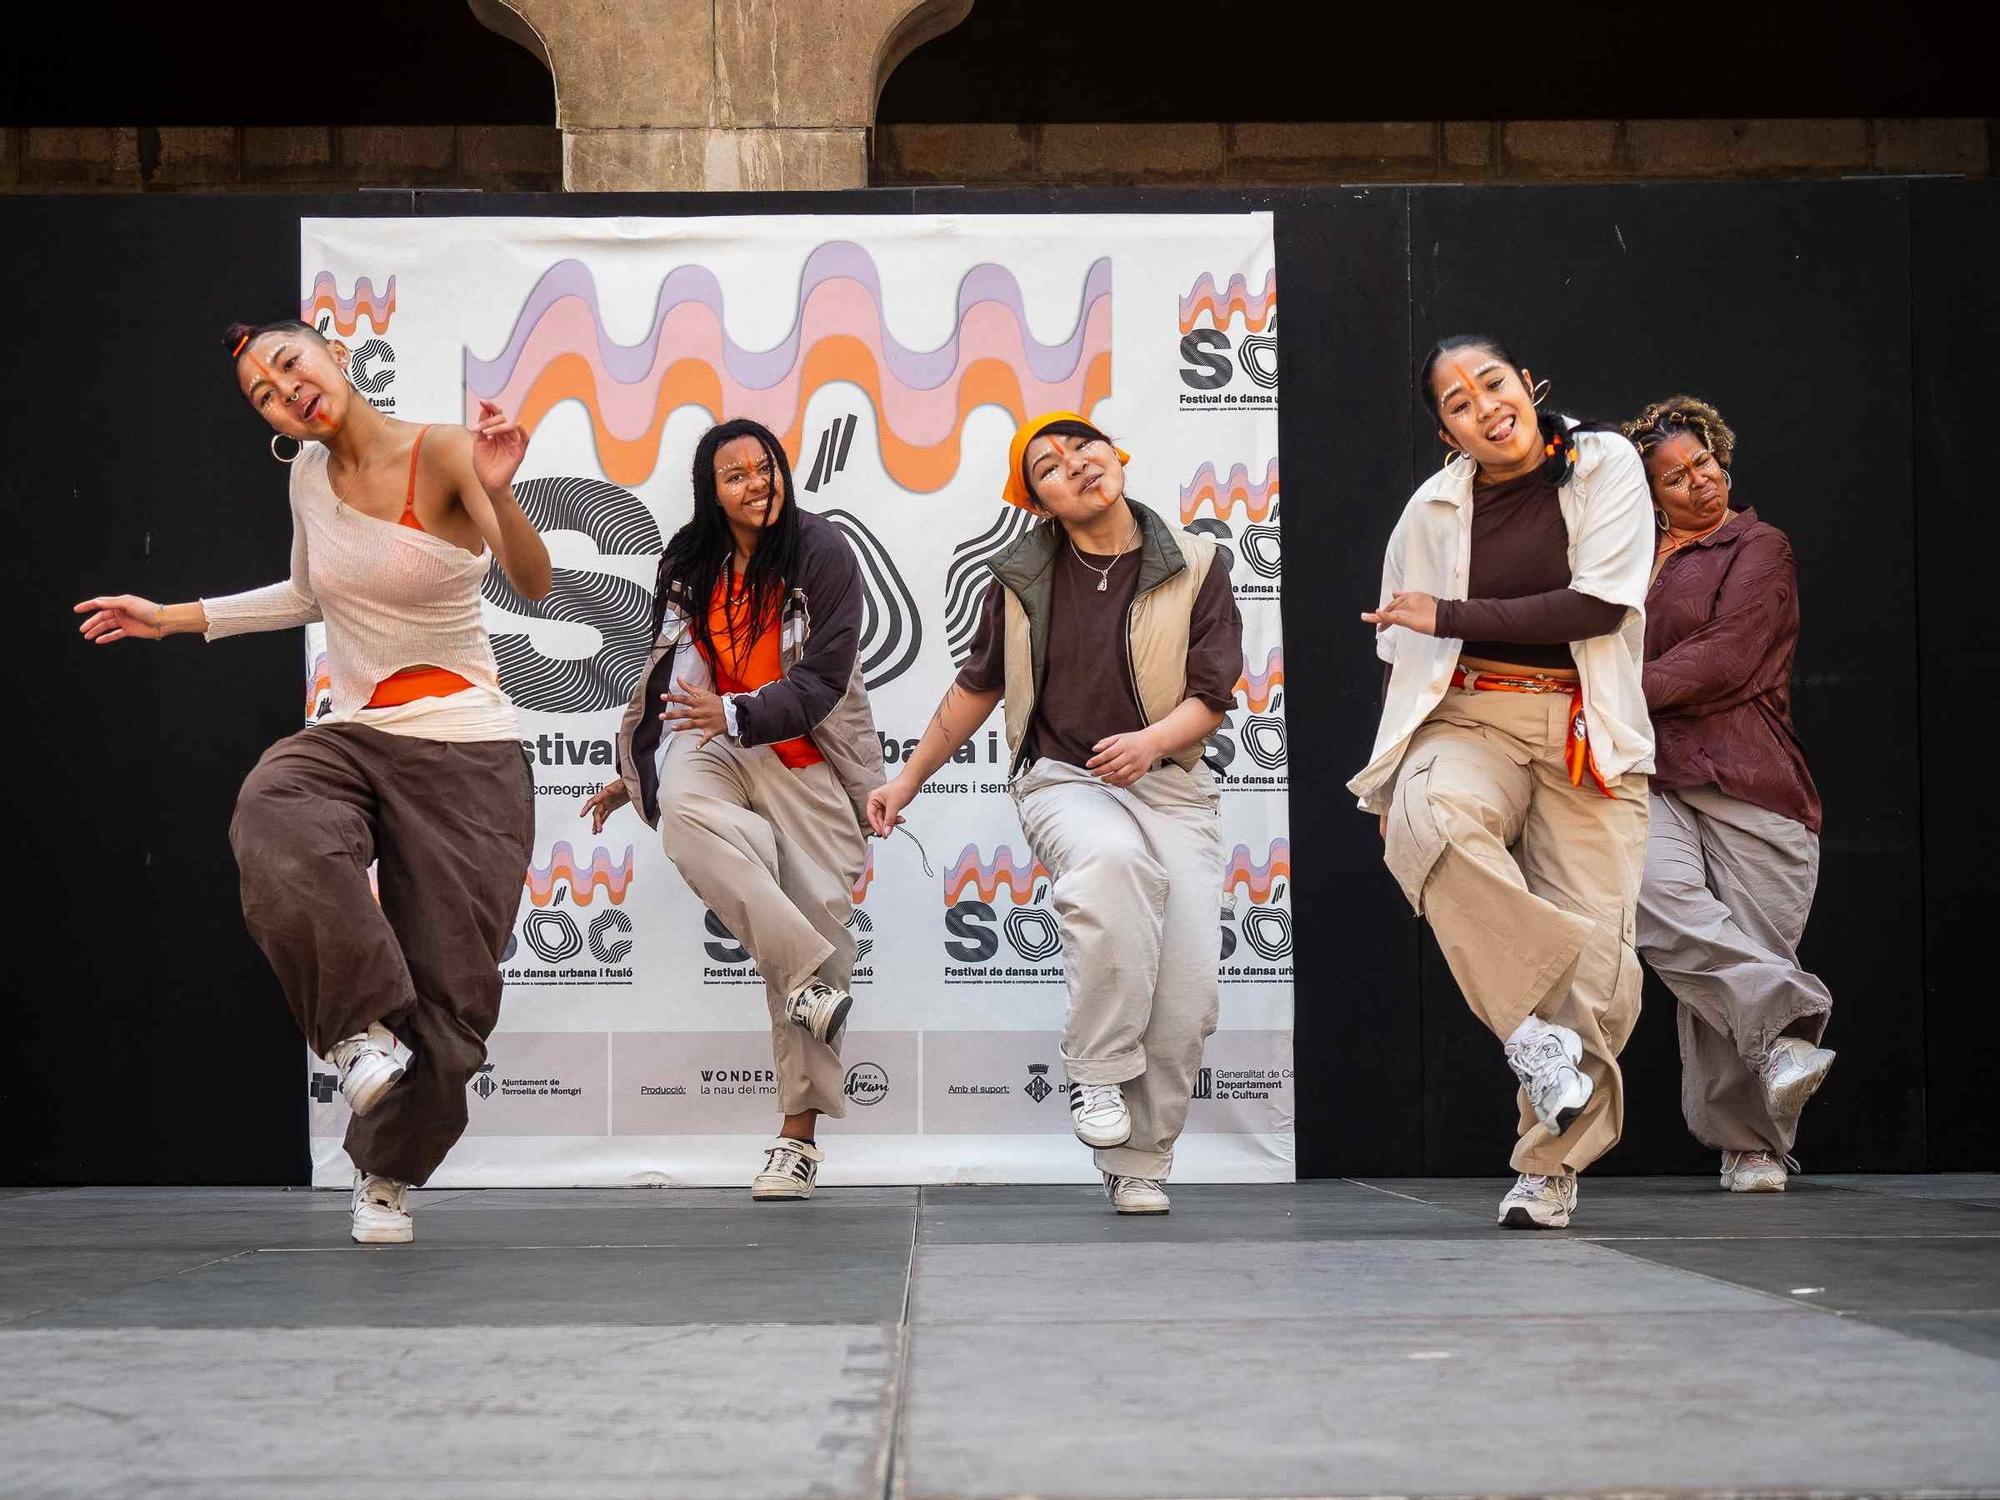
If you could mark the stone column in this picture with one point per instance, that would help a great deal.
(661, 95)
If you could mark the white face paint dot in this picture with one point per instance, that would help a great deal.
(1806, 1291)
(1428, 1354)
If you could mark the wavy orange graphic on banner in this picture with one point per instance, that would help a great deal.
(860, 891)
(584, 880)
(559, 352)
(1257, 689)
(1255, 308)
(988, 876)
(1224, 495)
(347, 312)
(318, 680)
(1258, 878)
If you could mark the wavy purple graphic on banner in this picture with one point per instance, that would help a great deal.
(1258, 877)
(1237, 300)
(1257, 689)
(1224, 495)
(584, 879)
(347, 312)
(559, 351)
(987, 876)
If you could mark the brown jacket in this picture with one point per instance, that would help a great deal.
(1722, 624)
(821, 694)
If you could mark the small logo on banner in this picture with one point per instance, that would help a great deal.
(323, 1087)
(867, 1084)
(1256, 914)
(1229, 344)
(1038, 1086)
(483, 1084)
(1204, 1084)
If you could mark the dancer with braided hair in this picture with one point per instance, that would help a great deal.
(1509, 771)
(418, 768)
(1732, 856)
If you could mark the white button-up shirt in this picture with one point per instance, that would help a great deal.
(1608, 512)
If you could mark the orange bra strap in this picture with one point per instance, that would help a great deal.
(410, 498)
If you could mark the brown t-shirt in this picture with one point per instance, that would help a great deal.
(1519, 606)
(1088, 694)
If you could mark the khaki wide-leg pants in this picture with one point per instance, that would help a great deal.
(450, 828)
(774, 853)
(1529, 884)
(1728, 888)
(1137, 885)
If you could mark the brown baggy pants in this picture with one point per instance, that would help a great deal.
(1727, 892)
(1529, 884)
(774, 853)
(450, 828)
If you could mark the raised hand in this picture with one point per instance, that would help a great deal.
(603, 803)
(498, 445)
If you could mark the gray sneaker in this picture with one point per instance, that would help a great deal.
(1791, 1071)
(1537, 1202)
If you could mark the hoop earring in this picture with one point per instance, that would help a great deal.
(281, 457)
(1727, 482)
(1660, 518)
(1539, 392)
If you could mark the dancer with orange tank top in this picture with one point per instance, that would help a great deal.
(750, 745)
(418, 767)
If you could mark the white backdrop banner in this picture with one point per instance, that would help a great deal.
(895, 357)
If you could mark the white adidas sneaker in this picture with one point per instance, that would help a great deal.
(1100, 1115)
(1548, 1061)
(1753, 1172)
(790, 1170)
(1791, 1071)
(820, 1009)
(367, 1066)
(381, 1211)
(1136, 1195)
(1537, 1202)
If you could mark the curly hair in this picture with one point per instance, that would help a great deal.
(1679, 416)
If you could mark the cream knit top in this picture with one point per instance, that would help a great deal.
(391, 597)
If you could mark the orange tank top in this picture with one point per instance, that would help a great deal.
(759, 665)
(413, 683)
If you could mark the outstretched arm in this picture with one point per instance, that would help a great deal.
(487, 467)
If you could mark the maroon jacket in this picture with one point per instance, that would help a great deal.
(1722, 624)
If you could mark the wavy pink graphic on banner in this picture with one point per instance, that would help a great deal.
(1224, 495)
(583, 879)
(347, 312)
(867, 878)
(1259, 879)
(1257, 689)
(988, 876)
(318, 680)
(559, 351)
(1237, 300)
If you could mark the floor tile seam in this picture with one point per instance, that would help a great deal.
(429, 1247)
(1778, 1299)
(891, 1471)
(1621, 1492)
(56, 1308)
(1372, 1187)
(1783, 1309)
(455, 1330)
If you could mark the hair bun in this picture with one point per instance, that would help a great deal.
(237, 336)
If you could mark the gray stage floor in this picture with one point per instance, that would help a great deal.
(1333, 1338)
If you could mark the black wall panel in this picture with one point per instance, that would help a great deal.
(155, 1044)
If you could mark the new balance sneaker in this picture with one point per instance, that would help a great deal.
(1792, 1069)
(1548, 1061)
(820, 1009)
(790, 1170)
(1098, 1111)
(381, 1210)
(1136, 1195)
(367, 1066)
(1753, 1172)
(1537, 1202)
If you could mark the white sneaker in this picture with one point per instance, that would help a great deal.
(367, 1066)
(790, 1170)
(1136, 1195)
(1537, 1202)
(1548, 1062)
(1753, 1172)
(381, 1211)
(1792, 1069)
(1099, 1114)
(820, 1009)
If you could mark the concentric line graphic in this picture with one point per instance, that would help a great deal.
(966, 580)
(558, 351)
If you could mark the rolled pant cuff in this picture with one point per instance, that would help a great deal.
(793, 981)
(830, 1109)
(1126, 1161)
(1120, 1067)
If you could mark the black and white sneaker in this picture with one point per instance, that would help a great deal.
(1100, 1115)
(1548, 1061)
(367, 1066)
(380, 1211)
(820, 1009)
(1538, 1202)
(790, 1170)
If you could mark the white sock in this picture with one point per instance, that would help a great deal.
(1525, 1030)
